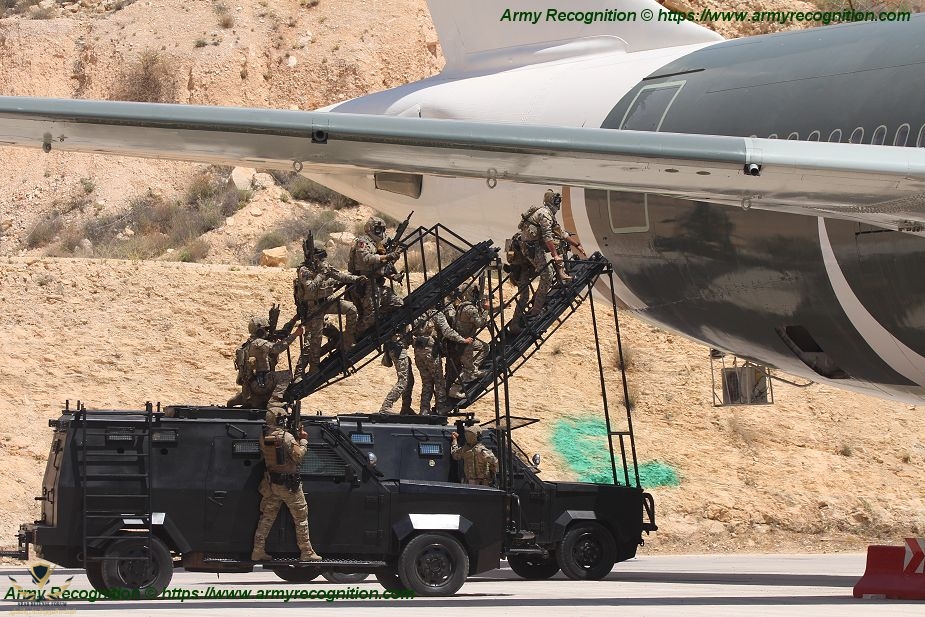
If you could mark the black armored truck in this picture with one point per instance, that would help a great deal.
(130, 495)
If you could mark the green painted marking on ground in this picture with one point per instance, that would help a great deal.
(582, 442)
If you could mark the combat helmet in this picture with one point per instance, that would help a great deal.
(471, 434)
(375, 228)
(553, 200)
(257, 323)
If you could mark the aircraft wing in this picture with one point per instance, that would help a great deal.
(881, 185)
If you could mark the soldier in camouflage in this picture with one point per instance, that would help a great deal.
(429, 332)
(396, 355)
(261, 384)
(367, 259)
(471, 315)
(315, 282)
(480, 465)
(540, 234)
(282, 484)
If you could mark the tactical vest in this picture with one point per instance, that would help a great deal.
(528, 226)
(261, 350)
(354, 263)
(277, 452)
(464, 324)
(476, 465)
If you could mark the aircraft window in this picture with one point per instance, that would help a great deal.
(402, 184)
(902, 135)
(772, 136)
(920, 142)
(793, 135)
(628, 212)
(814, 136)
(857, 136)
(802, 343)
(835, 136)
(650, 106)
(879, 136)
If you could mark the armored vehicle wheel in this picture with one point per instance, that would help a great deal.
(95, 575)
(534, 567)
(297, 574)
(141, 565)
(345, 577)
(433, 564)
(389, 579)
(588, 552)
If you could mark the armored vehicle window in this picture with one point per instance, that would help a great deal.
(902, 135)
(322, 460)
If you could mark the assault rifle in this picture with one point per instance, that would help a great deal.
(393, 244)
(281, 333)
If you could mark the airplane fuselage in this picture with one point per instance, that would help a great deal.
(829, 299)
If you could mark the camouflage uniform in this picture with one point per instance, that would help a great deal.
(282, 485)
(469, 320)
(480, 465)
(375, 299)
(261, 382)
(452, 351)
(396, 354)
(315, 282)
(429, 331)
(536, 229)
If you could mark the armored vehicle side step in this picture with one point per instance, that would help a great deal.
(334, 565)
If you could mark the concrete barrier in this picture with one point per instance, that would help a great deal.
(894, 572)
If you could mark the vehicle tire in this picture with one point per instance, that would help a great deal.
(433, 564)
(297, 574)
(389, 579)
(587, 552)
(345, 577)
(534, 567)
(125, 566)
(95, 575)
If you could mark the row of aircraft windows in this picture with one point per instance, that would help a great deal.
(878, 138)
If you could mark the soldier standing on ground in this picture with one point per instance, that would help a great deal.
(430, 331)
(315, 282)
(282, 484)
(480, 465)
(261, 383)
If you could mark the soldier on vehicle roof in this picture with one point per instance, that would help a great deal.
(430, 330)
(282, 484)
(261, 384)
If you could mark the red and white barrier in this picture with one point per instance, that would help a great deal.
(894, 572)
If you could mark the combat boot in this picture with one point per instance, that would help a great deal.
(259, 553)
(310, 555)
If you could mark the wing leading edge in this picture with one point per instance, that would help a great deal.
(876, 184)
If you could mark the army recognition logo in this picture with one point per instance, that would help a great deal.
(39, 596)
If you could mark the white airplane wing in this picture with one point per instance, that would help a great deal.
(881, 185)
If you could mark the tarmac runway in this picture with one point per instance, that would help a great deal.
(692, 585)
